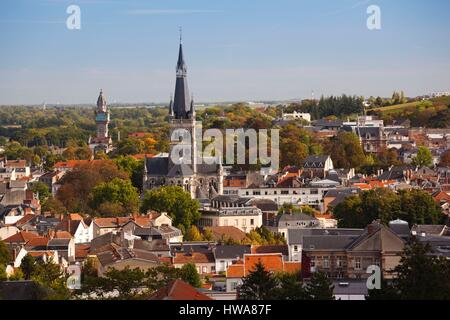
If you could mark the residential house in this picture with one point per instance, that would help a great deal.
(349, 257)
(231, 211)
(273, 262)
(179, 290)
(317, 166)
(226, 255)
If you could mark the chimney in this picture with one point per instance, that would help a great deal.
(373, 227)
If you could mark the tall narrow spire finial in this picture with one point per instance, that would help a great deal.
(181, 34)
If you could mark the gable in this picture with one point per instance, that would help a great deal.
(382, 240)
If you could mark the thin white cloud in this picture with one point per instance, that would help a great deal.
(168, 11)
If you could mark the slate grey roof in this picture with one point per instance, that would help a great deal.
(429, 230)
(154, 245)
(329, 242)
(231, 251)
(20, 290)
(181, 107)
(296, 236)
(53, 244)
(295, 217)
(374, 132)
(353, 287)
(328, 124)
(158, 166)
(315, 162)
(181, 170)
(232, 199)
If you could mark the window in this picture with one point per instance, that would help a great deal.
(295, 248)
(339, 262)
(234, 285)
(358, 263)
(326, 262)
(313, 262)
(244, 222)
(236, 222)
(377, 262)
(252, 222)
(204, 269)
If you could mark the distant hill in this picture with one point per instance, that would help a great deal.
(411, 106)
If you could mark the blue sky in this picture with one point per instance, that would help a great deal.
(235, 49)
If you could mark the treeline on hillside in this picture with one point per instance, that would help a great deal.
(32, 126)
(330, 106)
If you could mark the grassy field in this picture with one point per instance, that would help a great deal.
(411, 105)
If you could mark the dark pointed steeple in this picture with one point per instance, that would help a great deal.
(181, 107)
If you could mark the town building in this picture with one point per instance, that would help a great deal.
(184, 166)
(102, 141)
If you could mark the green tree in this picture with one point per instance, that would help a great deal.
(319, 287)
(419, 207)
(52, 279)
(290, 287)
(419, 276)
(42, 189)
(423, 158)
(193, 234)
(54, 206)
(28, 266)
(259, 284)
(3, 275)
(117, 192)
(189, 274)
(175, 201)
(5, 255)
(133, 167)
(346, 150)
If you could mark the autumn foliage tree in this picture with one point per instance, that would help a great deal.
(77, 185)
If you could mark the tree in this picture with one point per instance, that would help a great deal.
(127, 282)
(346, 150)
(54, 206)
(423, 158)
(290, 287)
(133, 167)
(28, 266)
(413, 206)
(175, 201)
(52, 279)
(77, 185)
(258, 284)
(319, 287)
(41, 189)
(116, 192)
(193, 234)
(419, 207)
(3, 275)
(189, 274)
(5, 255)
(419, 276)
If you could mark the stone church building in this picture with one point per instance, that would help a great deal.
(202, 179)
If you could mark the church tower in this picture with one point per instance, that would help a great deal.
(102, 117)
(102, 141)
(182, 120)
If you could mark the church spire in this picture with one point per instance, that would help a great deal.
(181, 106)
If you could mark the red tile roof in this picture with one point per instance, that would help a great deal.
(283, 249)
(271, 262)
(179, 290)
(194, 257)
(22, 237)
(225, 233)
